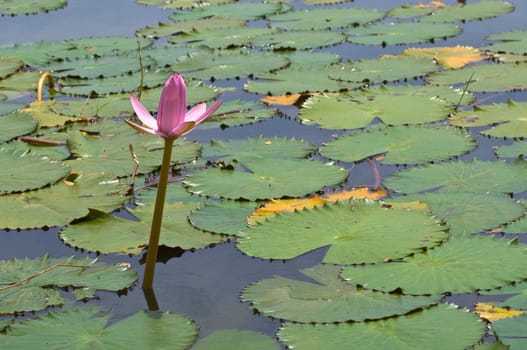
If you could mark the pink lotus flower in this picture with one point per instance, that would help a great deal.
(173, 120)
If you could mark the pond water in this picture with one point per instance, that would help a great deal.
(205, 284)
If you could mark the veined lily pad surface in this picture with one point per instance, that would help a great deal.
(365, 170)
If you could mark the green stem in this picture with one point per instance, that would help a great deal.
(151, 254)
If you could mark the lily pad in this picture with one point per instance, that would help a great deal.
(517, 301)
(256, 148)
(506, 119)
(226, 339)
(485, 77)
(401, 33)
(236, 112)
(26, 283)
(393, 106)
(401, 145)
(419, 330)
(473, 176)
(228, 65)
(89, 328)
(264, 178)
(105, 233)
(510, 42)
(27, 7)
(512, 331)
(461, 265)
(225, 38)
(324, 18)
(298, 40)
(61, 203)
(16, 124)
(471, 11)
(327, 299)
(188, 26)
(9, 65)
(23, 172)
(238, 10)
(223, 217)
(450, 56)
(357, 232)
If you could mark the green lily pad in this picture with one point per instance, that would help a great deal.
(419, 330)
(264, 178)
(506, 119)
(223, 217)
(28, 7)
(401, 33)
(180, 4)
(401, 145)
(21, 81)
(327, 300)
(324, 18)
(471, 11)
(188, 26)
(235, 113)
(256, 148)
(23, 172)
(225, 38)
(112, 85)
(104, 148)
(88, 328)
(314, 78)
(228, 65)
(467, 213)
(352, 111)
(9, 107)
(517, 301)
(509, 42)
(105, 233)
(43, 113)
(9, 65)
(226, 339)
(485, 77)
(238, 10)
(461, 265)
(473, 176)
(517, 149)
(61, 203)
(16, 124)
(383, 69)
(512, 331)
(298, 40)
(26, 283)
(357, 232)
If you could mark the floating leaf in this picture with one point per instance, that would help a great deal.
(449, 57)
(61, 203)
(461, 265)
(14, 125)
(242, 150)
(394, 106)
(9, 65)
(401, 33)
(473, 176)
(402, 145)
(228, 65)
(327, 299)
(180, 4)
(27, 7)
(467, 213)
(226, 339)
(469, 12)
(419, 330)
(26, 283)
(507, 119)
(224, 217)
(298, 40)
(326, 18)
(88, 328)
(106, 233)
(485, 77)
(415, 10)
(233, 113)
(237, 10)
(517, 301)
(224, 38)
(201, 24)
(264, 178)
(42, 112)
(23, 172)
(511, 42)
(512, 331)
(357, 232)
(493, 313)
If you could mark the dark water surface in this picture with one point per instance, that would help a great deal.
(205, 285)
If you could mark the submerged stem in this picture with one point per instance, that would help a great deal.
(151, 254)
